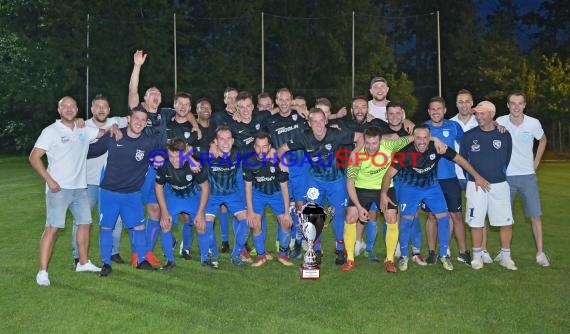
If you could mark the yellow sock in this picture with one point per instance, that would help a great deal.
(349, 240)
(392, 235)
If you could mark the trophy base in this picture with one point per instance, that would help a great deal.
(309, 273)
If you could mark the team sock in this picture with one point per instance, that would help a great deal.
(258, 243)
(391, 240)
(152, 229)
(187, 236)
(284, 241)
(350, 240)
(417, 236)
(224, 225)
(371, 230)
(105, 244)
(443, 235)
(141, 246)
(405, 228)
(166, 241)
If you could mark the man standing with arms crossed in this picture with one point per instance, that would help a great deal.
(521, 172)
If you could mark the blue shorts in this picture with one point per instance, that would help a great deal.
(298, 182)
(235, 203)
(275, 202)
(334, 192)
(129, 206)
(409, 198)
(177, 205)
(148, 192)
(76, 200)
(452, 192)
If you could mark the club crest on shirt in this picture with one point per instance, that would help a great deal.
(294, 117)
(497, 144)
(446, 133)
(139, 155)
(186, 134)
(328, 147)
(475, 147)
(64, 139)
(188, 177)
(272, 169)
(432, 156)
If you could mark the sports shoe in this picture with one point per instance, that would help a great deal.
(106, 270)
(340, 257)
(477, 264)
(486, 257)
(87, 267)
(390, 267)
(296, 252)
(348, 265)
(42, 278)
(359, 247)
(268, 256)
(145, 265)
(210, 264)
(245, 257)
(169, 265)
(225, 247)
(446, 262)
(506, 261)
(432, 257)
(151, 259)
(465, 258)
(259, 261)
(419, 259)
(542, 259)
(284, 260)
(237, 261)
(185, 254)
(117, 258)
(371, 256)
(403, 263)
(253, 252)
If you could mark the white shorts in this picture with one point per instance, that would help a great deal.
(496, 203)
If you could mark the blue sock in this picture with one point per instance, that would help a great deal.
(443, 235)
(371, 230)
(284, 240)
(240, 237)
(405, 229)
(187, 236)
(213, 241)
(417, 236)
(384, 229)
(166, 240)
(141, 246)
(338, 227)
(224, 225)
(105, 244)
(152, 230)
(204, 242)
(132, 239)
(258, 243)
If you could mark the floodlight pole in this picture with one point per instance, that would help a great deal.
(262, 54)
(438, 56)
(87, 73)
(175, 57)
(353, 73)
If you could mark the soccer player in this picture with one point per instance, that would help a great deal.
(521, 171)
(66, 146)
(224, 189)
(418, 183)
(489, 151)
(450, 133)
(120, 189)
(181, 190)
(264, 102)
(266, 184)
(364, 178)
(321, 146)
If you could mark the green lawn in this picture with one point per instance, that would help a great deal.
(272, 299)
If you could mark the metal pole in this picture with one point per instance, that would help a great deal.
(438, 57)
(87, 73)
(353, 72)
(175, 55)
(262, 54)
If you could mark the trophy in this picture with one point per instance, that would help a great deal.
(312, 220)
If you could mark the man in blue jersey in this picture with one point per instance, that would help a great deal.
(417, 167)
(120, 194)
(180, 190)
(321, 146)
(450, 133)
(489, 151)
(266, 184)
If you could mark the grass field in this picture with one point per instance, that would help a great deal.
(272, 299)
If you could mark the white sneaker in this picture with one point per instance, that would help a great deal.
(398, 252)
(359, 247)
(486, 257)
(403, 263)
(506, 261)
(477, 264)
(87, 267)
(542, 259)
(42, 278)
(419, 259)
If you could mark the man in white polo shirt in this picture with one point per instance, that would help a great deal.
(521, 174)
(66, 146)
(379, 91)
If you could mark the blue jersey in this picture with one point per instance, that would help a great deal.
(449, 132)
(418, 169)
(489, 152)
(127, 162)
(265, 176)
(156, 123)
(223, 173)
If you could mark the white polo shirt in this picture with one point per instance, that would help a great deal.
(66, 150)
(522, 158)
(95, 165)
(472, 123)
(378, 112)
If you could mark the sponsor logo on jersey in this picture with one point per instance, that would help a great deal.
(475, 147)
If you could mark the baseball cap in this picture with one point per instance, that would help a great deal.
(484, 106)
(378, 79)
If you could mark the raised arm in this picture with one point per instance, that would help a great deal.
(138, 60)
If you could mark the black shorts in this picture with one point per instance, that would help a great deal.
(452, 192)
(367, 197)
